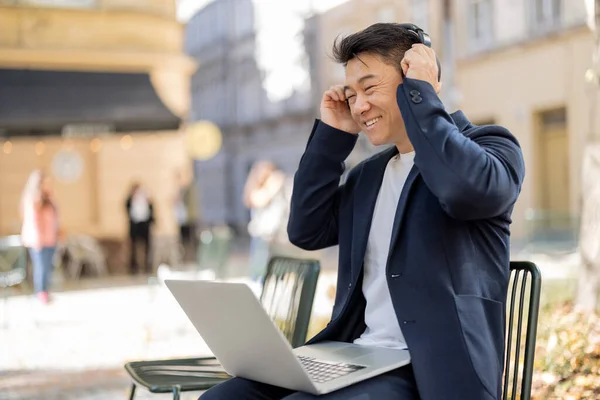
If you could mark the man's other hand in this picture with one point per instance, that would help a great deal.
(420, 63)
(335, 111)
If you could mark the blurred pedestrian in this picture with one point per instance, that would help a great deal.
(266, 194)
(185, 209)
(140, 212)
(40, 230)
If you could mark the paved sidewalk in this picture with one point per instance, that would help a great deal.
(75, 347)
(83, 338)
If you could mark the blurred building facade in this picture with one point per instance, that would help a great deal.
(518, 64)
(93, 92)
(227, 89)
(522, 65)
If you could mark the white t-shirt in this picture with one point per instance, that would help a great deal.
(383, 329)
(140, 207)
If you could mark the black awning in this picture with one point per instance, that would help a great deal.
(42, 102)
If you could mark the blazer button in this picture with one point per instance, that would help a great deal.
(349, 286)
(414, 93)
(416, 99)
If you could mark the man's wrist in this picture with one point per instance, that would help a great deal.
(331, 141)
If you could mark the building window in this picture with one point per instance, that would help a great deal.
(248, 101)
(545, 14)
(386, 14)
(554, 119)
(420, 14)
(480, 24)
(484, 121)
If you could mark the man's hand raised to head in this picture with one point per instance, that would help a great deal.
(335, 111)
(419, 62)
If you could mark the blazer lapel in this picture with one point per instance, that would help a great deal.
(366, 191)
(401, 209)
(461, 122)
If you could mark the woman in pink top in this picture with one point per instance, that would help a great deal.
(40, 230)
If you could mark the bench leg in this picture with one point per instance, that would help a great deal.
(176, 393)
(132, 393)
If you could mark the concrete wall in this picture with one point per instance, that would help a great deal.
(520, 73)
(512, 85)
(94, 202)
(110, 35)
(88, 29)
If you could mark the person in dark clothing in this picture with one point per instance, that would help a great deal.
(140, 213)
(185, 211)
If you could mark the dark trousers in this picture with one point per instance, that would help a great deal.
(187, 238)
(139, 233)
(395, 385)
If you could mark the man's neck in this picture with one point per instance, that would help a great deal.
(405, 147)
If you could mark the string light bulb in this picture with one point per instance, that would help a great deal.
(95, 145)
(7, 147)
(40, 147)
(126, 142)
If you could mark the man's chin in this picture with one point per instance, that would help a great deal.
(376, 140)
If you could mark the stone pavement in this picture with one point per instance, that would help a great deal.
(75, 347)
(82, 339)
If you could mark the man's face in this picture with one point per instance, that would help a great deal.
(371, 92)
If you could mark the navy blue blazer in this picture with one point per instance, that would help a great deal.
(448, 265)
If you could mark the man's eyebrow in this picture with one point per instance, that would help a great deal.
(361, 80)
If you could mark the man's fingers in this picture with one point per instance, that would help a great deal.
(336, 93)
(340, 91)
(411, 58)
(419, 55)
(332, 95)
(420, 48)
(404, 65)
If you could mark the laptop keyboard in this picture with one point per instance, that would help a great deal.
(321, 371)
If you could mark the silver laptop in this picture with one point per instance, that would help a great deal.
(237, 329)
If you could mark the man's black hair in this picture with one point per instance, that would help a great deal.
(388, 40)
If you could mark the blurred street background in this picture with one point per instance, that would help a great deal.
(150, 120)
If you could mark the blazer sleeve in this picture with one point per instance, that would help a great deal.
(317, 193)
(475, 177)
